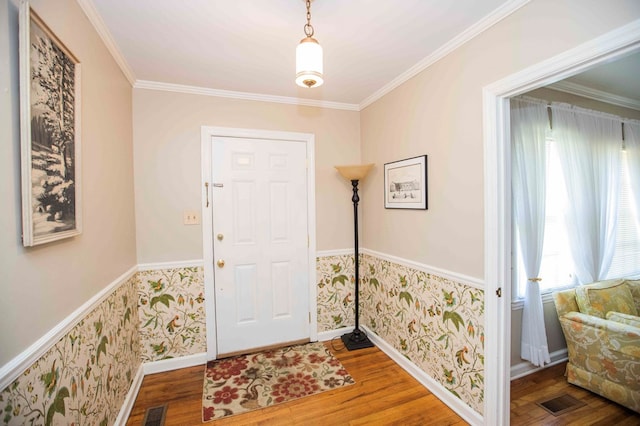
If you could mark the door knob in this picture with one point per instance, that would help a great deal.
(220, 237)
(220, 263)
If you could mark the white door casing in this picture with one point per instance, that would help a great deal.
(497, 190)
(262, 243)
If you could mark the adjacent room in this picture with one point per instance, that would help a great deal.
(603, 96)
(394, 196)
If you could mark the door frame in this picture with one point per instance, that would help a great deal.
(497, 184)
(207, 133)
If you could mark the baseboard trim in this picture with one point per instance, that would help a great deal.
(14, 368)
(174, 363)
(332, 334)
(130, 399)
(525, 368)
(456, 404)
(152, 368)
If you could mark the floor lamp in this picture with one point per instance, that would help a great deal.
(356, 339)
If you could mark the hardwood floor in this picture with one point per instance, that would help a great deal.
(384, 394)
(550, 382)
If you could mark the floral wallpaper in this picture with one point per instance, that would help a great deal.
(85, 377)
(335, 292)
(172, 313)
(436, 323)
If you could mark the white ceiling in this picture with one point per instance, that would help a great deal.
(620, 78)
(370, 47)
(249, 45)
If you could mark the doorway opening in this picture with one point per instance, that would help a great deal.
(497, 182)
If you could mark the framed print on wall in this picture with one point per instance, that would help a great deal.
(49, 134)
(405, 184)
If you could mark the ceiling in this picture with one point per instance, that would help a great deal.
(620, 78)
(249, 45)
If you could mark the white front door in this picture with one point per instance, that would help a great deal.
(260, 242)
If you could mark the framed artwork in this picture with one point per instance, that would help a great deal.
(49, 134)
(405, 184)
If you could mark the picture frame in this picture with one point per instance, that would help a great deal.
(405, 184)
(50, 106)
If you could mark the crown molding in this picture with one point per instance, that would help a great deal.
(487, 22)
(484, 24)
(101, 28)
(195, 90)
(595, 94)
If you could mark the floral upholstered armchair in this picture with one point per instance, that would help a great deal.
(601, 325)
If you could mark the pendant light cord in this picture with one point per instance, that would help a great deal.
(308, 28)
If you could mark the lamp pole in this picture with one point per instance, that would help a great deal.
(356, 339)
(355, 200)
(355, 173)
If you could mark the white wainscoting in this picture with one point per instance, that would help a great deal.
(444, 273)
(14, 368)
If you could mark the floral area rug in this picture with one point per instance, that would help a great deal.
(249, 382)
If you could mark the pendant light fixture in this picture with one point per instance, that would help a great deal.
(309, 57)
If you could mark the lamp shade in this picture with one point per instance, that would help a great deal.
(309, 63)
(354, 172)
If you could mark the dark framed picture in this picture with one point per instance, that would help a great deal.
(405, 184)
(49, 134)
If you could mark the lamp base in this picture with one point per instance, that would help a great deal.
(356, 340)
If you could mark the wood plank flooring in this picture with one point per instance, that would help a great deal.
(384, 394)
(550, 382)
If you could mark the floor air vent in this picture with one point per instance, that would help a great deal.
(561, 404)
(155, 416)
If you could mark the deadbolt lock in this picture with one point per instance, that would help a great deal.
(220, 263)
(220, 237)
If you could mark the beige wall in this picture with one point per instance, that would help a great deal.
(42, 285)
(555, 336)
(168, 173)
(439, 113)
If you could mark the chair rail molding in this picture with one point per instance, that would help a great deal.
(14, 368)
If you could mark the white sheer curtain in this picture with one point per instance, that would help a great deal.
(589, 146)
(632, 145)
(529, 124)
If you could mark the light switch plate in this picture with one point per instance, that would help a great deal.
(191, 217)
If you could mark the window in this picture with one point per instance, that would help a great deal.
(626, 260)
(556, 269)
